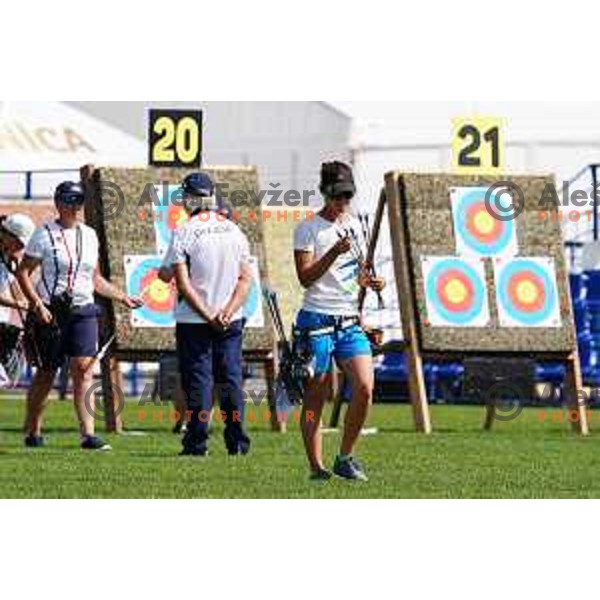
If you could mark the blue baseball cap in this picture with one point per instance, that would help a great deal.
(198, 184)
(69, 193)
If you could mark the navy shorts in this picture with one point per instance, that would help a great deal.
(80, 332)
(74, 337)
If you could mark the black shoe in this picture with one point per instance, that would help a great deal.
(91, 442)
(187, 452)
(193, 445)
(239, 449)
(180, 428)
(321, 475)
(237, 442)
(34, 441)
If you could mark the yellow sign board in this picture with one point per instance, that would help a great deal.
(175, 138)
(478, 145)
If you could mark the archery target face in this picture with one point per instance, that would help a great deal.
(477, 232)
(455, 292)
(253, 307)
(168, 216)
(141, 276)
(526, 292)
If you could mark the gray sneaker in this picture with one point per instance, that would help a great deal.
(350, 469)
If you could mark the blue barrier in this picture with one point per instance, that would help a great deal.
(444, 380)
(588, 330)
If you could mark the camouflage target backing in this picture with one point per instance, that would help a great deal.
(516, 300)
(123, 209)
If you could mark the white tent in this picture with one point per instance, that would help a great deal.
(51, 136)
(540, 137)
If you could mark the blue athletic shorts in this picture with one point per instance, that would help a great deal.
(341, 344)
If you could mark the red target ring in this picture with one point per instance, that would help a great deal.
(455, 291)
(176, 217)
(477, 229)
(158, 295)
(481, 225)
(526, 292)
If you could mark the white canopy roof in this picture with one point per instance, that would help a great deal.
(52, 135)
(392, 124)
(39, 136)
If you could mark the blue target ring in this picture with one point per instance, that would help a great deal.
(481, 232)
(471, 307)
(535, 276)
(252, 302)
(168, 215)
(135, 287)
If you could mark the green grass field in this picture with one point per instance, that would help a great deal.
(521, 459)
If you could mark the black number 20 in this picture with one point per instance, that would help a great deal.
(492, 137)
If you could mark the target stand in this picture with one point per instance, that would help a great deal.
(133, 239)
(478, 290)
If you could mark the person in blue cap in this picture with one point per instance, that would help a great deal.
(210, 261)
(65, 317)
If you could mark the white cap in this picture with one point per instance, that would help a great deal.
(19, 225)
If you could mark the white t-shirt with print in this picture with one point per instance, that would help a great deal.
(215, 250)
(80, 281)
(336, 293)
(6, 279)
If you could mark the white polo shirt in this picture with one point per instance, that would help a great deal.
(336, 293)
(78, 279)
(214, 250)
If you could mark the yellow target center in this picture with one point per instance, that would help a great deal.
(527, 292)
(159, 290)
(455, 291)
(484, 222)
(179, 217)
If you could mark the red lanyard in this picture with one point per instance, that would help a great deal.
(70, 275)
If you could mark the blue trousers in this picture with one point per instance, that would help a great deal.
(211, 360)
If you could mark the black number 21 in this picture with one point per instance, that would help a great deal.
(492, 137)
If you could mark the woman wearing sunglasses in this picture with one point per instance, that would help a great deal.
(65, 323)
(329, 256)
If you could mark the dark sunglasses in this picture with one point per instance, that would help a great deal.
(345, 198)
